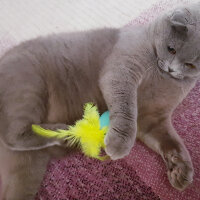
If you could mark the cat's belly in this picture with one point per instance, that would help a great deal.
(68, 108)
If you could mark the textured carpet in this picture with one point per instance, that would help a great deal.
(140, 176)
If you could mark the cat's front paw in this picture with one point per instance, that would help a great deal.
(116, 146)
(180, 172)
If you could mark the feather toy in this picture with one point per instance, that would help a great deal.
(88, 133)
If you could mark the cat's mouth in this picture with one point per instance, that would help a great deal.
(172, 74)
(163, 72)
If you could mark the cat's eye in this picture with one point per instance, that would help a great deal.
(190, 65)
(171, 50)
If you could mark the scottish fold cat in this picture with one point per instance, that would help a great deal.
(140, 74)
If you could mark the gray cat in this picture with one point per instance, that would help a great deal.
(139, 73)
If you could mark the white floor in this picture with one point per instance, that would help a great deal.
(23, 19)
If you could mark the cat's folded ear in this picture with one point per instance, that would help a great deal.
(179, 21)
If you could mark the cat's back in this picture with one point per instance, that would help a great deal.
(78, 47)
(57, 54)
(58, 66)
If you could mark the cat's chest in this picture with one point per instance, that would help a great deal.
(158, 94)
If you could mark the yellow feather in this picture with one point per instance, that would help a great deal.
(86, 133)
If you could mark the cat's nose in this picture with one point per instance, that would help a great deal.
(170, 69)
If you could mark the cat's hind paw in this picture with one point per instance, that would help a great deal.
(180, 172)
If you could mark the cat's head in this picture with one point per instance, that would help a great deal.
(177, 42)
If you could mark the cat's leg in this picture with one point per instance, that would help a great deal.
(21, 173)
(23, 103)
(119, 83)
(20, 137)
(159, 135)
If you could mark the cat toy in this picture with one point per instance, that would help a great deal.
(88, 133)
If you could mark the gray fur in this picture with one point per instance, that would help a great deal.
(129, 71)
